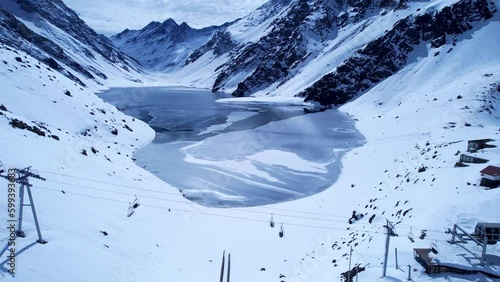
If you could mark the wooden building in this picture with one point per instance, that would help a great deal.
(488, 230)
(471, 159)
(490, 176)
(475, 145)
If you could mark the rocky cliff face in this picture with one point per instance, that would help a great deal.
(295, 38)
(324, 51)
(389, 53)
(54, 34)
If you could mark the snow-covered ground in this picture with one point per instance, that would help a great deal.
(420, 117)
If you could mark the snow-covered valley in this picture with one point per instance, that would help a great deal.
(416, 124)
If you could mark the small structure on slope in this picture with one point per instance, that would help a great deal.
(472, 159)
(475, 145)
(489, 230)
(490, 176)
(449, 258)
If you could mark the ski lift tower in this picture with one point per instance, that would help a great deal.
(21, 176)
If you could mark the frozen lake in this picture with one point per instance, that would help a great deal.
(234, 154)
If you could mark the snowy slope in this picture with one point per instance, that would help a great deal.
(310, 48)
(54, 34)
(185, 243)
(419, 117)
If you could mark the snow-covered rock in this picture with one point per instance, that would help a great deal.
(55, 35)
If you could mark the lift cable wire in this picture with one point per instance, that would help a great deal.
(190, 203)
(168, 193)
(214, 214)
(228, 216)
(400, 225)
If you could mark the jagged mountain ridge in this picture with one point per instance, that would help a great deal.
(161, 46)
(294, 47)
(54, 34)
(293, 40)
(388, 54)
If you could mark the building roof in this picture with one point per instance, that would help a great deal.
(481, 140)
(491, 170)
(489, 225)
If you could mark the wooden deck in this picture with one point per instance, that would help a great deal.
(431, 267)
(422, 256)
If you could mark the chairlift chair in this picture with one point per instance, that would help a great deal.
(130, 211)
(410, 236)
(135, 203)
(282, 232)
(434, 248)
(271, 221)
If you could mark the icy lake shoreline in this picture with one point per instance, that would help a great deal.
(221, 152)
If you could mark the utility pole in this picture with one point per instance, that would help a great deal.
(396, 252)
(222, 266)
(390, 232)
(357, 272)
(22, 178)
(349, 270)
(228, 266)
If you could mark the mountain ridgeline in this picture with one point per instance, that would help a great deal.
(294, 40)
(390, 53)
(54, 34)
(266, 52)
(320, 50)
(162, 46)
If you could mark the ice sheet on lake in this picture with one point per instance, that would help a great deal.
(279, 161)
(232, 118)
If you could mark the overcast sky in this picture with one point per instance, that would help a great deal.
(113, 16)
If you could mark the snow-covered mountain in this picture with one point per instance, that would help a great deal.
(326, 51)
(437, 87)
(162, 46)
(54, 34)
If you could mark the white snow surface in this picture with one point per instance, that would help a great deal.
(410, 120)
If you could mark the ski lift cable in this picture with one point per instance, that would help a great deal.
(174, 201)
(175, 194)
(113, 184)
(214, 214)
(184, 202)
(188, 203)
(227, 216)
(10, 160)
